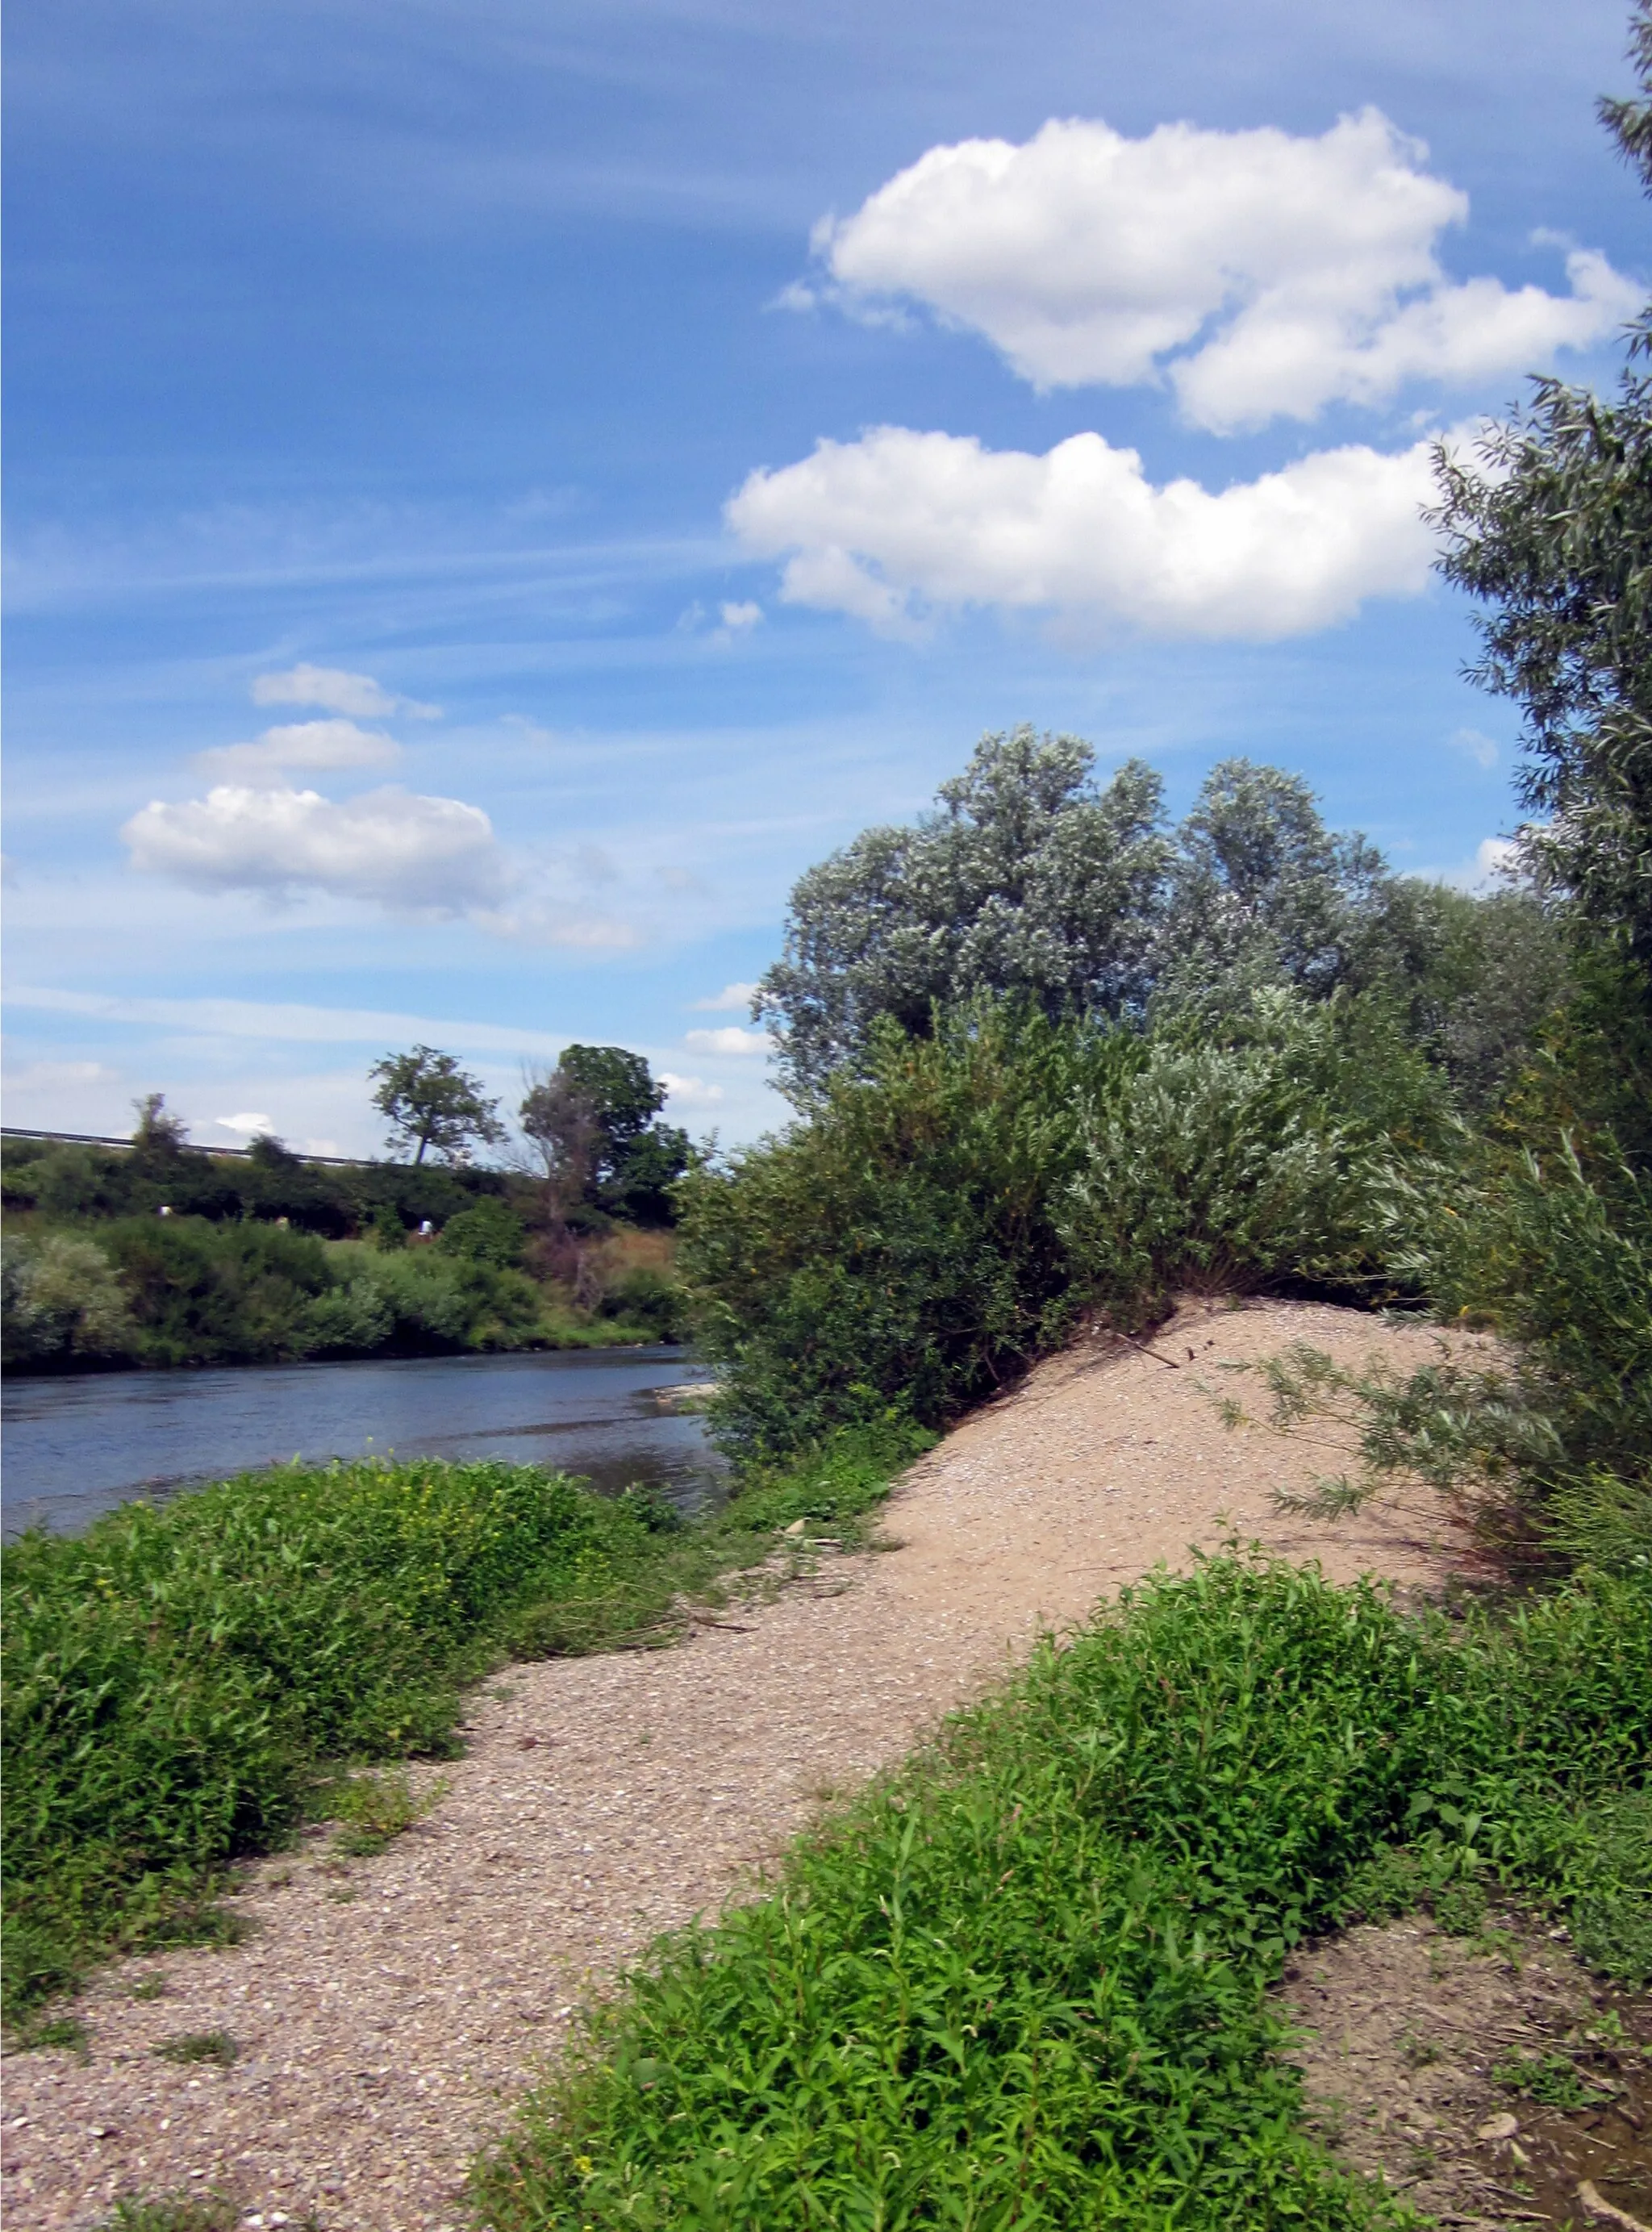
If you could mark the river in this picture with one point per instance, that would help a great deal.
(78, 1445)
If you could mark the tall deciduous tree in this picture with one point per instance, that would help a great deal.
(1029, 878)
(434, 1107)
(1550, 527)
(592, 1123)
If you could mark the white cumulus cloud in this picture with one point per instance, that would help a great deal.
(390, 846)
(690, 1091)
(730, 1039)
(335, 690)
(734, 999)
(299, 746)
(1263, 273)
(248, 1123)
(739, 618)
(900, 522)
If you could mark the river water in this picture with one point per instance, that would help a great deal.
(78, 1445)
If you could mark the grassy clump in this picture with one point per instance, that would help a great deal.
(179, 1680)
(1023, 1981)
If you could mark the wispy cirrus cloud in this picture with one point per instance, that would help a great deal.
(335, 689)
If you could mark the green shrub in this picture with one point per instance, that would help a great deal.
(202, 1293)
(488, 1233)
(646, 1298)
(899, 1249)
(1023, 1981)
(62, 1301)
(1261, 1153)
(173, 1675)
(934, 1223)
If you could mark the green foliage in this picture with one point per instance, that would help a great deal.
(1221, 1161)
(433, 1106)
(489, 1233)
(62, 1301)
(1552, 530)
(181, 1684)
(215, 1293)
(592, 1123)
(1029, 879)
(173, 1675)
(177, 2212)
(950, 1214)
(648, 1299)
(372, 1810)
(898, 1252)
(1023, 1981)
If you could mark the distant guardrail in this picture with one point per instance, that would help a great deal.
(186, 1146)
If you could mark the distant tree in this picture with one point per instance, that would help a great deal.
(559, 1124)
(1550, 527)
(592, 1122)
(1029, 876)
(157, 1136)
(434, 1107)
(266, 1152)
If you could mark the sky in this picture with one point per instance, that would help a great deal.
(498, 489)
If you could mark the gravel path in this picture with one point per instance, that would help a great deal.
(385, 2011)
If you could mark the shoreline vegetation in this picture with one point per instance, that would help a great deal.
(185, 1684)
(160, 1255)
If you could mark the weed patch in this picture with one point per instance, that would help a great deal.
(183, 1685)
(1023, 1981)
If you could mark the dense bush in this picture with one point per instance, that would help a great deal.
(63, 1301)
(1220, 1163)
(899, 1248)
(947, 1214)
(1023, 1982)
(215, 1293)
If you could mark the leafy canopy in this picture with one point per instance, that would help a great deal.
(434, 1107)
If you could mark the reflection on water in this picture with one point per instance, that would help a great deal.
(77, 1446)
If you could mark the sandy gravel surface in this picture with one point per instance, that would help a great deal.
(386, 2010)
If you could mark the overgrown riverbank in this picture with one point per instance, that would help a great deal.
(1023, 1981)
(181, 1684)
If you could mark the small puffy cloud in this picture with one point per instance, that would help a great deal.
(729, 1039)
(899, 523)
(690, 1091)
(335, 691)
(1263, 273)
(734, 999)
(249, 1123)
(1492, 861)
(1477, 747)
(739, 618)
(389, 846)
(299, 746)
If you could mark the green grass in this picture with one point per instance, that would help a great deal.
(1024, 1982)
(183, 1685)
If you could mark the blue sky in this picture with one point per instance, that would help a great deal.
(496, 491)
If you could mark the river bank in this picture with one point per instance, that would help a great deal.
(384, 2012)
